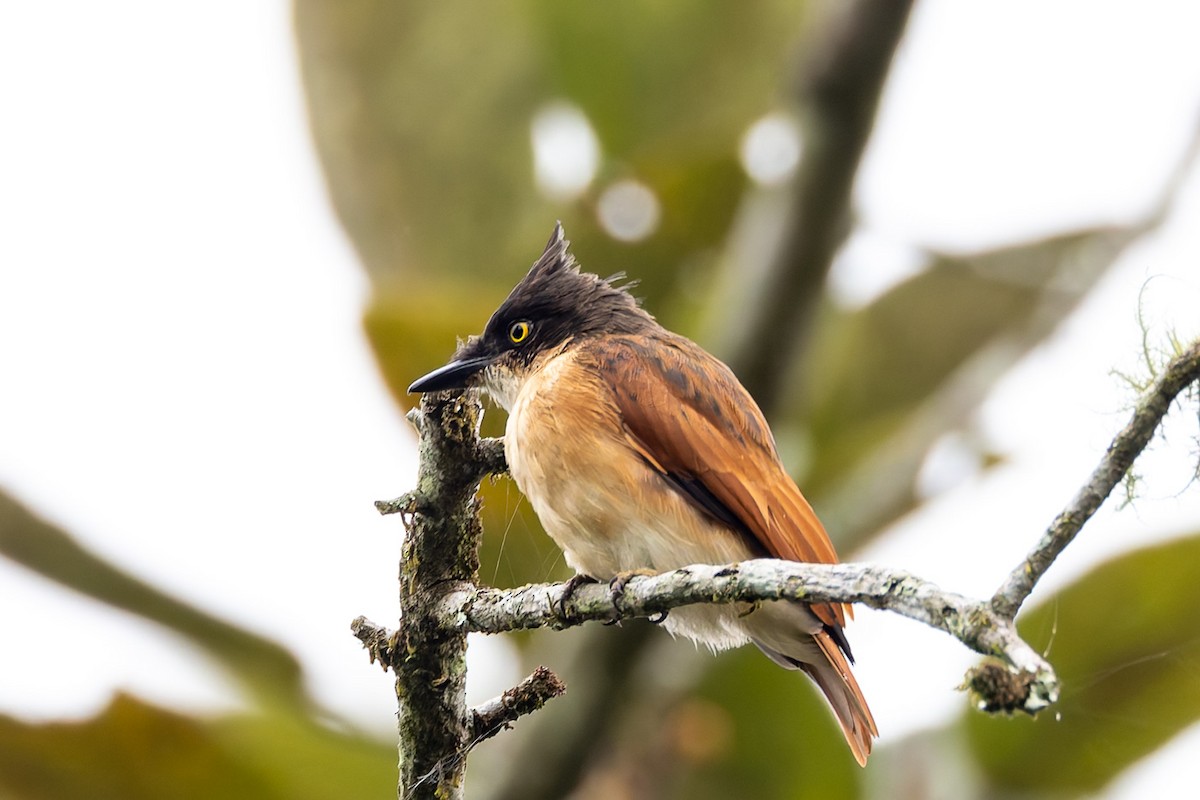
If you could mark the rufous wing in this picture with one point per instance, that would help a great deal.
(692, 421)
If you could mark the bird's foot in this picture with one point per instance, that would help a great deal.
(617, 584)
(569, 589)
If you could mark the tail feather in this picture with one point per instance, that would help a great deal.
(792, 636)
(837, 682)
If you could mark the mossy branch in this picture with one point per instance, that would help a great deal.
(973, 622)
(1180, 373)
(440, 556)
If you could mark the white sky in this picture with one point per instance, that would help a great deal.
(188, 390)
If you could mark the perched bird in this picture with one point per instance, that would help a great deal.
(640, 451)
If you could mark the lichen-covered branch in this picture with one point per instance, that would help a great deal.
(488, 719)
(973, 622)
(1125, 448)
(378, 641)
(440, 556)
(487, 459)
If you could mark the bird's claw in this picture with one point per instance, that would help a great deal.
(569, 589)
(618, 582)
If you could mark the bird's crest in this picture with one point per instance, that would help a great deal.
(556, 288)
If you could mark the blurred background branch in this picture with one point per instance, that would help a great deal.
(266, 669)
(842, 67)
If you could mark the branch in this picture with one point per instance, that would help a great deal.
(487, 459)
(440, 555)
(1125, 448)
(379, 642)
(837, 90)
(972, 622)
(528, 696)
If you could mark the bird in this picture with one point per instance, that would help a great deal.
(641, 452)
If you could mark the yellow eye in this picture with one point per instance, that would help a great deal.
(518, 332)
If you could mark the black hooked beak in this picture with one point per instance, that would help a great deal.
(454, 375)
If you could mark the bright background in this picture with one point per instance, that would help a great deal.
(158, 192)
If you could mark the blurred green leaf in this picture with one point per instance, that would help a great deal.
(422, 116)
(420, 112)
(785, 741)
(1126, 645)
(647, 73)
(136, 751)
(303, 759)
(885, 381)
(129, 751)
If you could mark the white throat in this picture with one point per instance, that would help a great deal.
(503, 386)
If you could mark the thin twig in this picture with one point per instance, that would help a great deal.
(378, 641)
(1125, 448)
(497, 714)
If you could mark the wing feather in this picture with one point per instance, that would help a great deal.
(695, 424)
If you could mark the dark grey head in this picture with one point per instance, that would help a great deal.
(552, 304)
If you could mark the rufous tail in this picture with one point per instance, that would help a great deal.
(837, 682)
